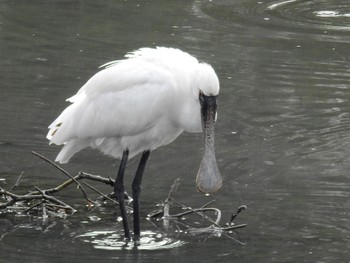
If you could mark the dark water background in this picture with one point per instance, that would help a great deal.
(282, 133)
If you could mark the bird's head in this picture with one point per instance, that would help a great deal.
(208, 178)
(207, 80)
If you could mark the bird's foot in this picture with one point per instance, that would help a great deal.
(127, 237)
(136, 240)
(127, 240)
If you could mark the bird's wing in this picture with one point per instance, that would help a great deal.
(124, 99)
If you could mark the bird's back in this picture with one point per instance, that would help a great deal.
(132, 103)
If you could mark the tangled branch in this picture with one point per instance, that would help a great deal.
(44, 203)
(43, 200)
(214, 227)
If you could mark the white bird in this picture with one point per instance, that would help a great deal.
(136, 105)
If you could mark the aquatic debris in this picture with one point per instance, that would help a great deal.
(214, 228)
(45, 206)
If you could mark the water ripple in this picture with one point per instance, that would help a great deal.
(110, 240)
(312, 13)
(290, 16)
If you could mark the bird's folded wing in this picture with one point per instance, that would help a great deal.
(124, 99)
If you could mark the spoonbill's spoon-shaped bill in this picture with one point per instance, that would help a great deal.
(208, 178)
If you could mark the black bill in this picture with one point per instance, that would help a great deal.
(208, 178)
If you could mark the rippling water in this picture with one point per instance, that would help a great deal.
(282, 132)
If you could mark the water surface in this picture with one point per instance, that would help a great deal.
(282, 131)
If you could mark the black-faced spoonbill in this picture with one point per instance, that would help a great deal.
(137, 105)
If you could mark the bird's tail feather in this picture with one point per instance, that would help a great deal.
(69, 149)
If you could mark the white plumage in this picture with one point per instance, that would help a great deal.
(139, 103)
(136, 105)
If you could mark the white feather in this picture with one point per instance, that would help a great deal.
(139, 103)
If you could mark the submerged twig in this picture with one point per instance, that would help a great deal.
(198, 210)
(45, 204)
(166, 204)
(213, 228)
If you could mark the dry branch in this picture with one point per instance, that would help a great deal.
(44, 203)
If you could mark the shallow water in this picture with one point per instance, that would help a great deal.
(281, 138)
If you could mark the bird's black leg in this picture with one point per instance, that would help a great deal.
(119, 192)
(136, 190)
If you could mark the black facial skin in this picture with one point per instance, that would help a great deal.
(208, 104)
